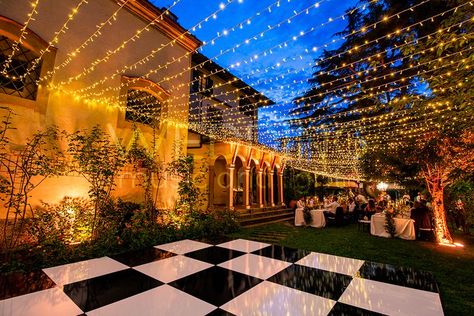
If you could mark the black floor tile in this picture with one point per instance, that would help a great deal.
(214, 255)
(139, 257)
(341, 309)
(219, 312)
(216, 285)
(106, 289)
(402, 276)
(18, 283)
(282, 253)
(315, 281)
(215, 240)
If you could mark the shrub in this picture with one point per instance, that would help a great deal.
(99, 161)
(69, 222)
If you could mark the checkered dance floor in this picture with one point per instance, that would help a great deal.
(238, 277)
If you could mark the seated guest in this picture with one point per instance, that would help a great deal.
(330, 208)
(418, 197)
(299, 216)
(351, 205)
(381, 206)
(361, 202)
(406, 199)
(421, 215)
(311, 202)
(370, 209)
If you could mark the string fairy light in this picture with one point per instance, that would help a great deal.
(374, 41)
(395, 100)
(285, 43)
(75, 53)
(403, 79)
(370, 130)
(166, 65)
(438, 59)
(21, 37)
(35, 63)
(134, 38)
(122, 46)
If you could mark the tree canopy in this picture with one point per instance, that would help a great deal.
(402, 69)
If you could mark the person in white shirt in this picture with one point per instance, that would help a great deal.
(351, 206)
(331, 207)
(418, 198)
(361, 199)
(406, 197)
(299, 216)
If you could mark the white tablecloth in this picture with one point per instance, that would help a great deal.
(299, 217)
(318, 219)
(404, 227)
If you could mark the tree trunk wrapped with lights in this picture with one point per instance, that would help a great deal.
(435, 183)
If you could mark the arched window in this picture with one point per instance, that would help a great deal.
(20, 68)
(20, 76)
(142, 107)
(144, 101)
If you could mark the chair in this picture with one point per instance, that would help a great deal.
(426, 234)
(339, 218)
(363, 223)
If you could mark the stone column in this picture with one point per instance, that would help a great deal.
(260, 188)
(246, 188)
(211, 187)
(270, 189)
(280, 189)
(230, 172)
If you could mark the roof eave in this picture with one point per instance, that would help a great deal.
(148, 12)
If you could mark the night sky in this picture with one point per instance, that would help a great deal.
(280, 61)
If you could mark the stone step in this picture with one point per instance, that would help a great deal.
(261, 210)
(253, 215)
(266, 219)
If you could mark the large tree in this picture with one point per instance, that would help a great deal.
(404, 89)
(445, 152)
(381, 72)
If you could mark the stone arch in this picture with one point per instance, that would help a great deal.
(142, 84)
(239, 165)
(266, 183)
(220, 182)
(253, 188)
(276, 195)
(144, 100)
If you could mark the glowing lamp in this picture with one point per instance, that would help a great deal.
(382, 186)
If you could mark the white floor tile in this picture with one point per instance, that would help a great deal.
(183, 246)
(83, 270)
(49, 302)
(256, 266)
(332, 263)
(269, 298)
(244, 245)
(174, 268)
(163, 300)
(391, 299)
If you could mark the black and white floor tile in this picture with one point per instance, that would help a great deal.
(238, 277)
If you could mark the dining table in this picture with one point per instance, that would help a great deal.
(404, 227)
(317, 218)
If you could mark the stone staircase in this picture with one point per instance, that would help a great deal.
(269, 237)
(259, 216)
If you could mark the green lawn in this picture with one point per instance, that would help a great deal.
(453, 267)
